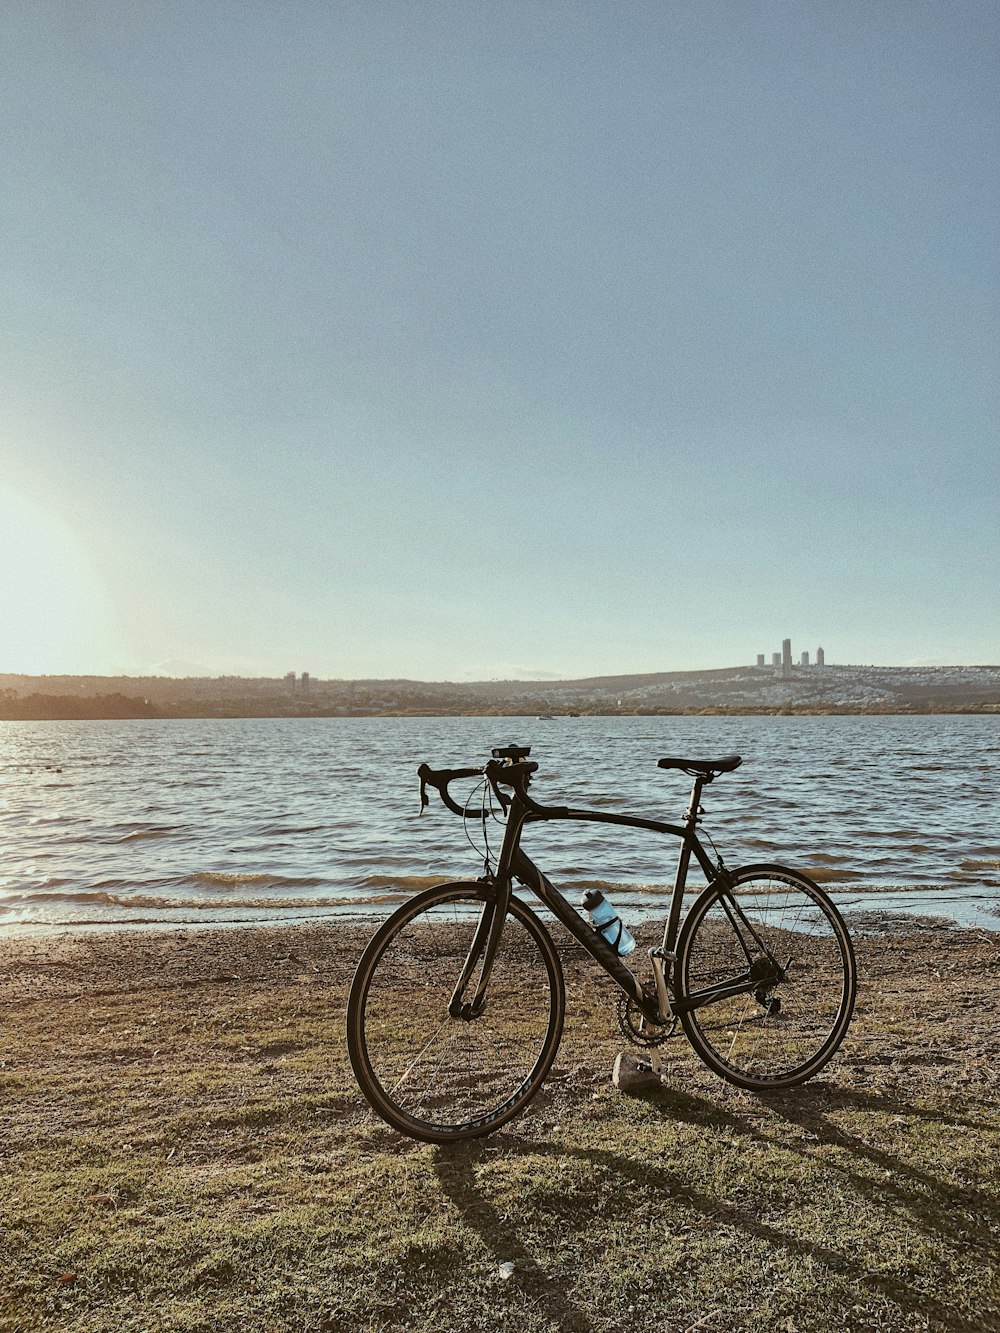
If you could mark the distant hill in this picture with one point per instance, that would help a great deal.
(743, 689)
(51, 707)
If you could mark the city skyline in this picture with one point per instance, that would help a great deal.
(305, 682)
(446, 344)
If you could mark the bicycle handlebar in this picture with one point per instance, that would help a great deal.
(509, 775)
(440, 778)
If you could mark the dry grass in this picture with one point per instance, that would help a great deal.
(183, 1147)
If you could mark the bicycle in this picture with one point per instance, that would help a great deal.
(457, 1005)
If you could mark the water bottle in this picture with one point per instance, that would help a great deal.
(606, 920)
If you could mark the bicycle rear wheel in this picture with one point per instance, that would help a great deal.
(439, 1078)
(777, 939)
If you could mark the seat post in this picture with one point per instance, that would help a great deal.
(691, 815)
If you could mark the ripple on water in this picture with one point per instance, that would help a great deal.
(222, 814)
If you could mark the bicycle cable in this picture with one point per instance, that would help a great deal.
(711, 842)
(487, 812)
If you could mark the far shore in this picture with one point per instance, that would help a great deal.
(798, 690)
(74, 710)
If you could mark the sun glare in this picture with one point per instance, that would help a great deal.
(54, 617)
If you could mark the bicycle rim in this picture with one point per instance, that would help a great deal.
(779, 927)
(439, 1078)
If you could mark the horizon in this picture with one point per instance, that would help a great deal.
(282, 678)
(449, 345)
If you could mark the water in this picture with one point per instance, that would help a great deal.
(231, 820)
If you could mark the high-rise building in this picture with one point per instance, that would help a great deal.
(776, 661)
(305, 680)
(760, 659)
(820, 658)
(804, 660)
(290, 681)
(786, 657)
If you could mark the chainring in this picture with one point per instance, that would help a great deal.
(637, 1029)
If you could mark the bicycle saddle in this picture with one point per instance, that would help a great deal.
(706, 768)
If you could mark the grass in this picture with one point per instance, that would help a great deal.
(183, 1147)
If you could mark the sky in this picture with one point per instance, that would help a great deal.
(454, 341)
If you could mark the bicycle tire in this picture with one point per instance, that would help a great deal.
(787, 1028)
(442, 1079)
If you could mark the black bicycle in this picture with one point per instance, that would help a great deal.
(456, 1009)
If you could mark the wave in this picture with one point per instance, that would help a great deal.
(279, 830)
(164, 903)
(412, 883)
(611, 887)
(154, 831)
(221, 879)
(55, 883)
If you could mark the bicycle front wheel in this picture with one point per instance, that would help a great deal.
(441, 1078)
(766, 978)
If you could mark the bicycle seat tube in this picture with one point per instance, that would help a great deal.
(689, 843)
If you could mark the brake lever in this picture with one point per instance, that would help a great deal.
(504, 799)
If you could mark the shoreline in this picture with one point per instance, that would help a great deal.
(949, 907)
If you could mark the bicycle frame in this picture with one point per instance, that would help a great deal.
(514, 864)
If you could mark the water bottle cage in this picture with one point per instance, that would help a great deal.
(606, 926)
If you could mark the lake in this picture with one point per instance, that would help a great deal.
(224, 821)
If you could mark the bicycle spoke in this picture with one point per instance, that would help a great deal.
(787, 1027)
(442, 1076)
(416, 1059)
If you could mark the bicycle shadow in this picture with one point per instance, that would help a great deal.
(455, 1167)
(810, 1110)
(927, 1201)
(939, 1207)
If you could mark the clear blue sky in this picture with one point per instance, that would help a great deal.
(450, 340)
